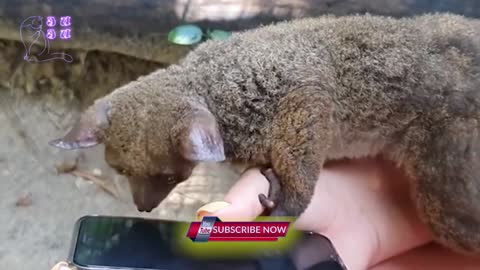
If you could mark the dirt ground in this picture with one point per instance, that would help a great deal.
(39, 102)
(38, 206)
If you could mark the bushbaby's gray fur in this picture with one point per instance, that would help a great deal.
(292, 95)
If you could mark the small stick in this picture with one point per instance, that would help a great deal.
(97, 180)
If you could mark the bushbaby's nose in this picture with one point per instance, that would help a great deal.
(145, 203)
(143, 208)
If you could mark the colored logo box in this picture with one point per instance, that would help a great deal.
(211, 228)
(36, 32)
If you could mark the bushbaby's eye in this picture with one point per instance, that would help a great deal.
(125, 172)
(171, 180)
(117, 169)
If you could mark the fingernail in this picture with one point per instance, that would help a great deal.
(211, 208)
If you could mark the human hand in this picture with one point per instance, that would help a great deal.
(364, 208)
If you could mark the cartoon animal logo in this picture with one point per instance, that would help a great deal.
(36, 43)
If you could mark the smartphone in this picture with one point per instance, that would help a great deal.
(112, 242)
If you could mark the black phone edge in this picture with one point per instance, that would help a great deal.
(74, 240)
(76, 229)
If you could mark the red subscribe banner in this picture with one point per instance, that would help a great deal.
(213, 229)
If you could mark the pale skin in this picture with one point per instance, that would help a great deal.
(363, 207)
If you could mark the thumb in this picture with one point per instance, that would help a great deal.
(241, 203)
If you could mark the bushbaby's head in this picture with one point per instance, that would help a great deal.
(155, 141)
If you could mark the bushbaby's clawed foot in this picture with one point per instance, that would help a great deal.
(270, 203)
(266, 202)
(271, 208)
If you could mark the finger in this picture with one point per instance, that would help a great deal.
(431, 256)
(242, 199)
(323, 208)
(340, 186)
(329, 213)
(361, 202)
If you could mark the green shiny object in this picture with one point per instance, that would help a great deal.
(219, 35)
(188, 34)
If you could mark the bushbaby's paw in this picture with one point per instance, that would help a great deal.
(271, 203)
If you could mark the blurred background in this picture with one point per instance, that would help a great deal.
(43, 190)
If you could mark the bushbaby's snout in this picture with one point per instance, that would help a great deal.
(146, 207)
(149, 192)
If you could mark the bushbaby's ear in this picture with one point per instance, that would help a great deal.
(84, 133)
(200, 138)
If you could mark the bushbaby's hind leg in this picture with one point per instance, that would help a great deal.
(300, 136)
(447, 186)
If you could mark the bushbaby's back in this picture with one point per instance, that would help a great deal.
(382, 72)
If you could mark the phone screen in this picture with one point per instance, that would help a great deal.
(136, 243)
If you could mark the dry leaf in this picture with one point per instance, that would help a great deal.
(24, 201)
(63, 266)
(66, 166)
